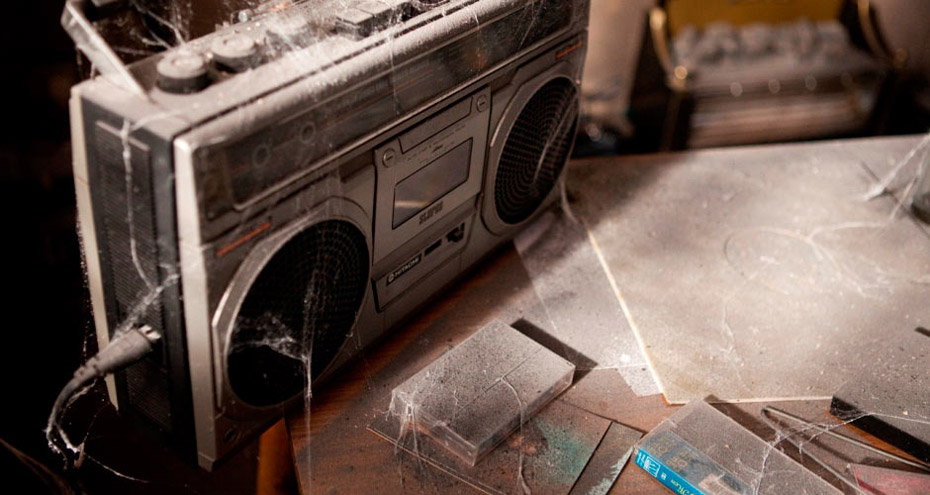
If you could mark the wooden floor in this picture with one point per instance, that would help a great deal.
(335, 453)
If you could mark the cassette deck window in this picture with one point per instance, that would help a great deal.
(427, 185)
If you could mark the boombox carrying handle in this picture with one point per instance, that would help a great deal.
(89, 41)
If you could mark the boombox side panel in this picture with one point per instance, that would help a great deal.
(129, 178)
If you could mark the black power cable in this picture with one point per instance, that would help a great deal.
(125, 349)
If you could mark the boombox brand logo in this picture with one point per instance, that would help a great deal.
(404, 269)
(433, 210)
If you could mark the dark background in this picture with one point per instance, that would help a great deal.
(48, 327)
(44, 301)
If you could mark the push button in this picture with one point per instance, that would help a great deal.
(371, 15)
(382, 12)
(236, 52)
(182, 71)
(289, 31)
(355, 22)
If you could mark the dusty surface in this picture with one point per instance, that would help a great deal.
(713, 452)
(580, 308)
(344, 456)
(890, 398)
(608, 461)
(546, 456)
(478, 393)
(758, 273)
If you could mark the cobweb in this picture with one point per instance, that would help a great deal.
(144, 29)
(148, 29)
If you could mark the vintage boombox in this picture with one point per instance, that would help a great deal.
(274, 196)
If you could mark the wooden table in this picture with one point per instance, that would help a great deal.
(344, 457)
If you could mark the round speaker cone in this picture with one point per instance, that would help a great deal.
(536, 151)
(298, 313)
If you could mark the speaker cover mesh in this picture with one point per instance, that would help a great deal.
(298, 312)
(536, 151)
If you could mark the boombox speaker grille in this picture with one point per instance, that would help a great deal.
(536, 151)
(298, 312)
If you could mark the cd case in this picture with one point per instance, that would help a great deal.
(701, 451)
(477, 394)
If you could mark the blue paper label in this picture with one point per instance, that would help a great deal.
(684, 469)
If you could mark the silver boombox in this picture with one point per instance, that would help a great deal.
(276, 195)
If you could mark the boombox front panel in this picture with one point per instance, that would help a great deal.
(319, 217)
(306, 125)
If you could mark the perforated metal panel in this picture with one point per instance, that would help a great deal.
(298, 312)
(536, 151)
(128, 238)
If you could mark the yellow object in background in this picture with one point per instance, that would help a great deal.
(699, 13)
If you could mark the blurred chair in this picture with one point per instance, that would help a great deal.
(614, 35)
(719, 73)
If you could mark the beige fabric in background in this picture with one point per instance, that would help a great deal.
(904, 24)
(614, 39)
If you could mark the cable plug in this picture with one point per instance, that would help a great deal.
(122, 351)
(125, 349)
